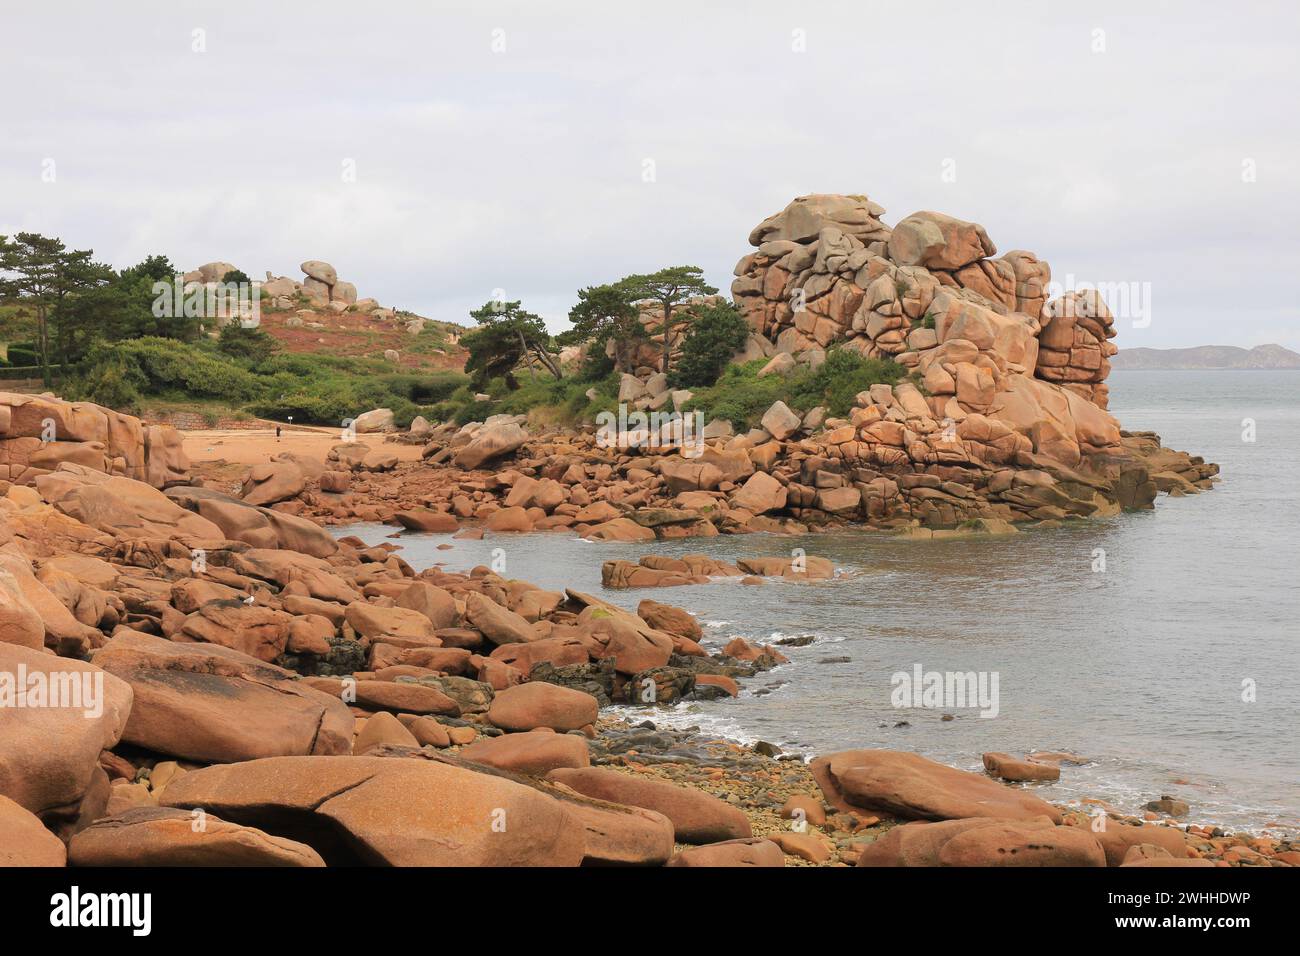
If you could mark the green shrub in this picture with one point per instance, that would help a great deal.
(313, 389)
(251, 345)
(741, 397)
(838, 380)
(424, 389)
(158, 366)
(555, 401)
(23, 354)
(109, 384)
(714, 335)
(596, 365)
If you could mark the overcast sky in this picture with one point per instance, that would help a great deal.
(506, 145)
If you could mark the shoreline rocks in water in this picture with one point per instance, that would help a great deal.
(563, 480)
(660, 571)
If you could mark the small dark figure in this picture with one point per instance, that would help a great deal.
(277, 432)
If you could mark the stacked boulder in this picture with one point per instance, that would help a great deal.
(1073, 347)
(219, 303)
(209, 272)
(38, 433)
(828, 270)
(323, 286)
(890, 464)
(651, 392)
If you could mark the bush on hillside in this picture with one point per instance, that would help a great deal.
(23, 355)
(109, 384)
(251, 345)
(158, 366)
(313, 389)
(837, 381)
(550, 401)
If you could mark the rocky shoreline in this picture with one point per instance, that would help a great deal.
(772, 790)
(498, 476)
(230, 683)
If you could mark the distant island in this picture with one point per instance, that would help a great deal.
(1207, 357)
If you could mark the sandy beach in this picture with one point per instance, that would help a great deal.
(239, 446)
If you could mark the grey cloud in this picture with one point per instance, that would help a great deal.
(522, 169)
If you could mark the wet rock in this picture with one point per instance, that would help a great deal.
(426, 520)
(1169, 806)
(1009, 768)
(659, 685)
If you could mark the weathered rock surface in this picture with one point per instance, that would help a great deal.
(161, 836)
(38, 433)
(740, 853)
(388, 811)
(24, 841)
(536, 753)
(209, 703)
(491, 442)
(985, 842)
(697, 817)
(914, 787)
(50, 745)
(533, 705)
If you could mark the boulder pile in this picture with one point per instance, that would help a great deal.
(319, 699)
(889, 465)
(1001, 417)
(928, 291)
(324, 703)
(323, 286)
(320, 284)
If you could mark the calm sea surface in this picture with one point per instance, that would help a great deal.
(1142, 667)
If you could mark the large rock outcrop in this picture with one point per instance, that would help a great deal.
(928, 294)
(38, 433)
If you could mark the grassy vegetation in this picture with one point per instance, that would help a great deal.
(241, 374)
(544, 399)
(738, 396)
(313, 389)
(429, 340)
(741, 397)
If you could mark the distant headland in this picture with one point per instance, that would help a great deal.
(1207, 357)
